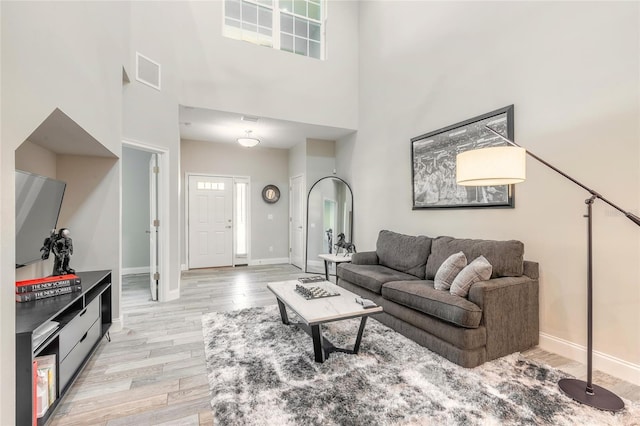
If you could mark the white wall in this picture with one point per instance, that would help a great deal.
(264, 166)
(135, 209)
(220, 73)
(571, 69)
(67, 56)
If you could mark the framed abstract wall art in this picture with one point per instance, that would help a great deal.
(434, 163)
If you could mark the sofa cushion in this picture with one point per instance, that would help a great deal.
(449, 270)
(422, 296)
(478, 270)
(370, 277)
(404, 253)
(506, 257)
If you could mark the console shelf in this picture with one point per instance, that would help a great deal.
(84, 317)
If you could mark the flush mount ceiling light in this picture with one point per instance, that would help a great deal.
(248, 141)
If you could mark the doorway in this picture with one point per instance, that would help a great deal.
(144, 215)
(218, 220)
(296, 221)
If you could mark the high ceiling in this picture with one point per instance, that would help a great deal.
(225, 127)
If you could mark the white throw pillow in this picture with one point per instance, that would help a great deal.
(478, 270)
(449, 269)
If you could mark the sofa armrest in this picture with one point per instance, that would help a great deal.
(510, 313)
(365, 258)
(531, 269)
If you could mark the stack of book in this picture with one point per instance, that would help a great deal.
(44, 371)
(41, 288)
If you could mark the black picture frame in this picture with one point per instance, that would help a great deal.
(433, 159)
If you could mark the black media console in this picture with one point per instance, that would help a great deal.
(84, 317)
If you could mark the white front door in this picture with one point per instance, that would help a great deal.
(296, 221)
(154, 223)
(210, 221)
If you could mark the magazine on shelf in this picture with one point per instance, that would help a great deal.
(46, 391)
(41, 333)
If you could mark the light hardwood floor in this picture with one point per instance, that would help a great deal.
(153, 371)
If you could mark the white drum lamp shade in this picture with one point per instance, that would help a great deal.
(501, 165)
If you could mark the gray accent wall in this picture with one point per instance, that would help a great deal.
(135, 208)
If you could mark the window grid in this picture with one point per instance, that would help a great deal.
(291, 25)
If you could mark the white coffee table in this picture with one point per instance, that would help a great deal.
(315, 312)
(333, 258)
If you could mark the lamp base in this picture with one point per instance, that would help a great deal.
(601, 399)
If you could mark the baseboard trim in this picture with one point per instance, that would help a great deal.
(136, 270)
(273, 261)
(116, 324)
(606, 363)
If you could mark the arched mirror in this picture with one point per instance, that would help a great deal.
(329, 213)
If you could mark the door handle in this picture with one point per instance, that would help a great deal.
(228, 226)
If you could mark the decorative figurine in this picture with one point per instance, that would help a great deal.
(348, 247)
(47, 245)
(330, 239)
(62, 247)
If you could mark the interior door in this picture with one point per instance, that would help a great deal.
(154, 223)
(296, 221)
(210, 221)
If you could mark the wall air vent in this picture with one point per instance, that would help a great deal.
(251, 118)
(147, 71)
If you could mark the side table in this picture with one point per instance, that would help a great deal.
(333, 258)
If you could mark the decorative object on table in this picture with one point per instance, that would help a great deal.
(434, 164)
(392, 381)
(314, 279)
(61, 244)
(42, 288)
(314, 292)
(349, 248)
(271, 194)
(507, 165)
(366, 303)
(330, 239)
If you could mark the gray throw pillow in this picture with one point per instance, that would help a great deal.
(478, 270)
(449, 269)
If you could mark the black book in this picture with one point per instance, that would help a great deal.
(43, 294)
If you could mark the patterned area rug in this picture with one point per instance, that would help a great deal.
(261, 372)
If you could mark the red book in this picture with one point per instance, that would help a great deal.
(47, 283)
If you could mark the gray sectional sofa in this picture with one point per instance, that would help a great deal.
(498, 317)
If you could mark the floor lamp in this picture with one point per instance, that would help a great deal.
(506, 165)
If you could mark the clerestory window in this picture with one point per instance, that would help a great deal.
(294, 26)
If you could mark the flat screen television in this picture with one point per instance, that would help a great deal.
(38, 203)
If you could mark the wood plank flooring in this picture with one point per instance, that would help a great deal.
(153, 371)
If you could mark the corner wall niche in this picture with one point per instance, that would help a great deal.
(59, 148)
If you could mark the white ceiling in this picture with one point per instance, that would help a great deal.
(225, 127)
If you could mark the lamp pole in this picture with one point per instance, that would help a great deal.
(585, 392)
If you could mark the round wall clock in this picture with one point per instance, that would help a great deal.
(270, 194)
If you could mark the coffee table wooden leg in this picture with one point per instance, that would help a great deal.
(316, 335)
(363, 322)
(283, 312)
